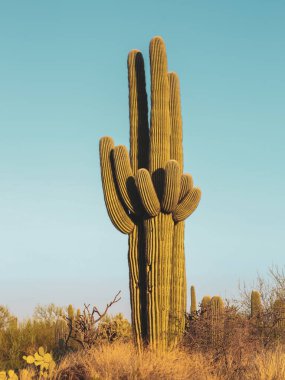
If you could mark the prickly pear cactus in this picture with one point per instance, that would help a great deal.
(43, 361)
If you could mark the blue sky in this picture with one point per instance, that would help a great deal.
(64, 85)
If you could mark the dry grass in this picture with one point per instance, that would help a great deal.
(121, 361)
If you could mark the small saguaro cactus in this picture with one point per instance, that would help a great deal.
(148, 198)
(255, 302)
(193, 308)
(217, 316)
(205, 305)
(279, 314)
(70, 312)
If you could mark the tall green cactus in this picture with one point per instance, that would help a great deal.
(217, 319)
(255, 303)
(193, 308)
(148, 198)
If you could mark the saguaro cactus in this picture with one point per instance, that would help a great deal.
(217, 316)
(193, 308)
(255, 301)
(148, 198)
(205, 305)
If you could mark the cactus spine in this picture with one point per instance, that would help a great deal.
(255, 302)
(193, 308)
(148, 198)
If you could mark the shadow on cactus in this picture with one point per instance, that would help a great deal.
(148, 197)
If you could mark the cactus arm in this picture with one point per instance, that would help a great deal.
(116, 211)
(147, 192)
(176, 149)
(178, 293)
(188, 205)
(186, 185)
(139, 156)
(124, 177)
(171, 186)
(160, 119)
(138, 112)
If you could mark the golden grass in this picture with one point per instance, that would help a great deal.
(121, 361)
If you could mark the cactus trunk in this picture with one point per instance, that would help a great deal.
(178, 290)
(217, 320)
(158, 235)
(134, 284)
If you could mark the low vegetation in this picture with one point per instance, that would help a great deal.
(222, 340)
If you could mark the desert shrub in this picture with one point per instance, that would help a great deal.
(241, 335)
(92, 327)
(18, 339)
(269, 324)
(114, 328)
(77, 371)
(237, 338)
(49, 313)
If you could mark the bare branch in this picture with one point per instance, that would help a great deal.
(83, 328)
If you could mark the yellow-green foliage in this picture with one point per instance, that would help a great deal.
(193, 309)
(25, 374)
(9, 375)
(148, 198)
(22, 338)
(43, 361)
(256, 306)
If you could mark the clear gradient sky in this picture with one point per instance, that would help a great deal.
(63, 85)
